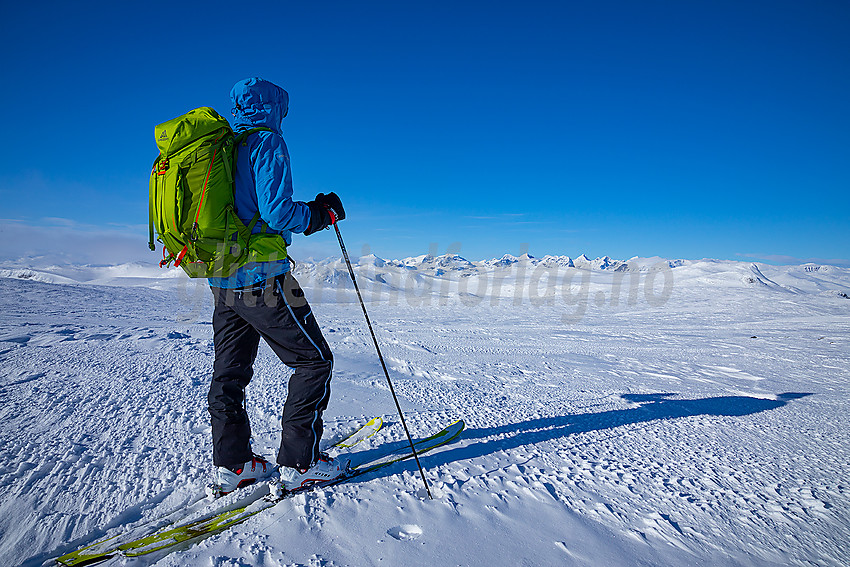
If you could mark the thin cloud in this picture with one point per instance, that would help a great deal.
(62, 241)
(58, 240)
(501, 216)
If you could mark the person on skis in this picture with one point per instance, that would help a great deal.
(263, 300)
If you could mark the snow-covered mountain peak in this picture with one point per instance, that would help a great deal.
(371, 260)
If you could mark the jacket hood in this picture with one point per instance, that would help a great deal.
(257, 102)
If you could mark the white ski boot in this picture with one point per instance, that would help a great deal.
(229, 479)
(323, 470)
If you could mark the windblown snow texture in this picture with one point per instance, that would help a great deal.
(620, 413)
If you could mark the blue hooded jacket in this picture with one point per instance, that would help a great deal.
(263, 181)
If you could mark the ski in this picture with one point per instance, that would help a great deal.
(163, 540)
(349, 440)
(109, 547)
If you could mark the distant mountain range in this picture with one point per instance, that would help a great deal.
(438, 265)
(452, 275)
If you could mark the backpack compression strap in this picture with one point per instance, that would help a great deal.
(151, 243)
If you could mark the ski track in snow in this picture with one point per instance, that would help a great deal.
(710, 430)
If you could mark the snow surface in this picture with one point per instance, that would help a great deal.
(646, 412)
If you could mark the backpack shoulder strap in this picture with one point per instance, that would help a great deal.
(241, 137)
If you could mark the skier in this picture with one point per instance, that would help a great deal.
(264, 300)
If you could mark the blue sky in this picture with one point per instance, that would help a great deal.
(680, 129)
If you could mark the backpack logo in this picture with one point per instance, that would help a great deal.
(164, 135)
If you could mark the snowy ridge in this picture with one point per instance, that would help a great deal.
(446, 266)
(527, 279)
(450, 278)
(139, 273)
(129, 274)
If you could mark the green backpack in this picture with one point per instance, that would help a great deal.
(191, 199)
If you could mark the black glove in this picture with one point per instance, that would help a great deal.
(325, 210)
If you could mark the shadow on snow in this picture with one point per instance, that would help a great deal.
(653, 407)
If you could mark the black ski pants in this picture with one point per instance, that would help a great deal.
(277, 312)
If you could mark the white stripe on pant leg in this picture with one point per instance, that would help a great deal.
(326, 391)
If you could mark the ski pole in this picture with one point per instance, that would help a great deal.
(378, 349)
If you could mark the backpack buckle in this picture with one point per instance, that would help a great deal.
(163, 167)
(166, 258)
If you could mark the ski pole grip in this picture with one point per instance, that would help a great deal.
(331, 213)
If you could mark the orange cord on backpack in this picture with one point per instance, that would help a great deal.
(179, 258)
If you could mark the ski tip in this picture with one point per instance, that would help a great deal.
(87, 555)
